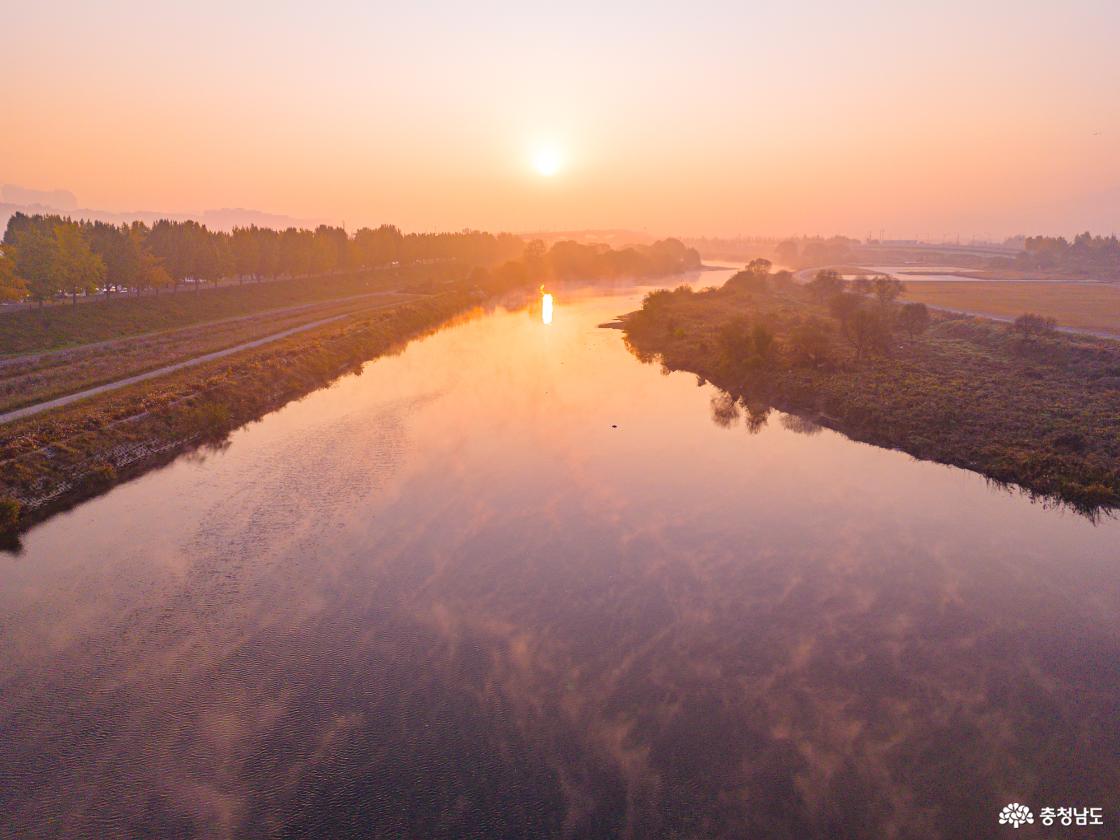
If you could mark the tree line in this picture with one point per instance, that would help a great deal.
(569, 260)
(865, 309)
(815, 250)
(43, 256)
(1085, 253)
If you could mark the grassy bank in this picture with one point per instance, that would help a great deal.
(51, 461)
(64, 325)
(1039, 412)
(27, 380)
(1088, 306)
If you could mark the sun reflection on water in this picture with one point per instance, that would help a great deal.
(546, 307)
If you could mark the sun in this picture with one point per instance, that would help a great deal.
(547, 161)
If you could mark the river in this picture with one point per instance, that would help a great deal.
(513, 582)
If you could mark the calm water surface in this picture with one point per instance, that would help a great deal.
(513, 582)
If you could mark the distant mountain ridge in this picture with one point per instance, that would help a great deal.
(18, 199)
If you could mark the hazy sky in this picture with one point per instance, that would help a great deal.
(920, 118)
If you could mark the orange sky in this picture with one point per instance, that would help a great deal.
(921, 119)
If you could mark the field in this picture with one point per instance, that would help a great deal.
(62, 325)
(31, 379)
(1087, 306)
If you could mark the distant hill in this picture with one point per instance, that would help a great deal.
(19, 199)
(63, 200)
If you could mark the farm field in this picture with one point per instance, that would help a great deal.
(1093, 307)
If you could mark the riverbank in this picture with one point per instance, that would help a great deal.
(52, 461)
(1036, 412)
(30, 381)
(54, 328)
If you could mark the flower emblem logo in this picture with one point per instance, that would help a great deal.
(1015, 815)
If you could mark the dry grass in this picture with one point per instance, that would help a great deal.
(1088, 306)
(33, 379)
(64, 325)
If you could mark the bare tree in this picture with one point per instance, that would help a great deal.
(886, 289)
(868, 332)
(914, 318)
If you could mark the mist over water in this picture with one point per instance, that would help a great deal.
(514, 582)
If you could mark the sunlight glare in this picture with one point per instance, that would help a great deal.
(547, 161)
(546, 307)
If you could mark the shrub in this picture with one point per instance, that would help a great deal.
(763, 340)
(209, 418)
(9, 514)
(656, 299)
(735, 341)
(100, 477)
(1031, 325)
(810, 342)
(749, 281)
(754, 278)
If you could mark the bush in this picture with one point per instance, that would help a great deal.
(1031, 325)
(9, 514)
(656, 299)
(755, 278)
(810, 342)
(763, 340)
(209, 418)
(735, 341)
(100, 477)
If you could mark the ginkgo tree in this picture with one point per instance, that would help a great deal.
(78, 268)
(12, 286)
(35, 254)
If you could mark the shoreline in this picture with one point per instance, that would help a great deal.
(54, 461)
(1038, 414)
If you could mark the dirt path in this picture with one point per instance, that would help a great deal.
(1007, 319)
(38, 355)
(30, 410)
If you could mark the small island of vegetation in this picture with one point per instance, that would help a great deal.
(1021, 403)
